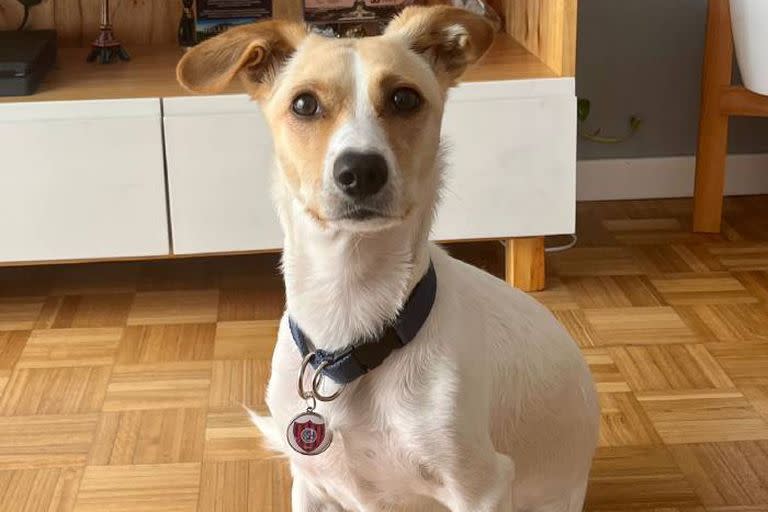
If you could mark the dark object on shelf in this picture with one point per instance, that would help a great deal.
(352, 18)
(25, 58)
(212, 17)
(106, 46)
(187, 25)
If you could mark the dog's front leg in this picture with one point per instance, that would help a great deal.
(478, 480)
(305, 499)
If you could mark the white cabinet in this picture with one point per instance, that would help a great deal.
(82, 180)
(511, 160)
(219, 154)
(511, 167)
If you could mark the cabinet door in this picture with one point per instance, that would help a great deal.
(82, 180)
(219, 153)
(511, 160)
(510, 171)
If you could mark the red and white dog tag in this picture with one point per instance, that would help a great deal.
(307, 433)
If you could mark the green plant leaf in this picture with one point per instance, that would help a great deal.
(582, 108)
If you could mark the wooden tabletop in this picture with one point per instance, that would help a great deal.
(151, 73)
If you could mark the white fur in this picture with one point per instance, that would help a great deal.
(490, 408)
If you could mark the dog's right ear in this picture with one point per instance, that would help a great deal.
(255, 52)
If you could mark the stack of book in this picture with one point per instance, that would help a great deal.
(215, 16)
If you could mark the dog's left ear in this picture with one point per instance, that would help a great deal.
(450, 38)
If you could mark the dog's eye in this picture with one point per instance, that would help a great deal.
(305, 105)
(405, 100)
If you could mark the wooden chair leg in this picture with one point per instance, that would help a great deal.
(713, 122)
(525, 263)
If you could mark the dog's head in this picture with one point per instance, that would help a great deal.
(356, 122)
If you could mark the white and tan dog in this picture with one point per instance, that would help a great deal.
(491, 406)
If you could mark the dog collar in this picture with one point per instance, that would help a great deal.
(363, 356)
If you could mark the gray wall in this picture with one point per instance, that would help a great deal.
(644, 57)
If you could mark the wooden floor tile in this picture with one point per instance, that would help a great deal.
(166, 343)
(109, 310)
(246, 340)
(605, 373)
(726, 473)
(596, 292)
(46, 441)
(149, 437)
(52, 348)
(39, 490)
(149, 488)
(159, 386)
(266, 302)
(664, 367)
(758, 398)
(5, 376)
(18, 314)
(556, 296)
(745, 363)
(230, 435)
(31, 391)
(643, 225)
(703, 416)
(637, 477)
(623, 422)
(703, 288)
(638, 326)
(730, 322)
(595, 261)
(12, 344)
(755, 281)
(245, 486)
(175, 307)
(744, 256)
(238, 383)
(575, 322)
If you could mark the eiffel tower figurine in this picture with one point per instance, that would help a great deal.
(106, 47)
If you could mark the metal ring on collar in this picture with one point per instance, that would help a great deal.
(306, 395)
(317, 380)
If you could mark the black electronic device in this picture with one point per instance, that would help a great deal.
(25, 58)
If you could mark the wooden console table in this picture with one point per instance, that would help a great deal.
(719, 101)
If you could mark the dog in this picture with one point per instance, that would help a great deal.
(489, 406)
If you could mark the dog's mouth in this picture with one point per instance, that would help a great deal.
(362, 214)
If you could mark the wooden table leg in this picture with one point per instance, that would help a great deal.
(525, 263)
(713, 122)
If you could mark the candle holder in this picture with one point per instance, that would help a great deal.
(187, 25)
(106, 46)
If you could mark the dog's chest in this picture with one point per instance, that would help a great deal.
(369, 461)
(369, 464)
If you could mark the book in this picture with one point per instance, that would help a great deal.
(213, 17)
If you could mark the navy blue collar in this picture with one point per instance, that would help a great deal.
(363, 356)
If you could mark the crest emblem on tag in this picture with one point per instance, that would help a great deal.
(307, 434)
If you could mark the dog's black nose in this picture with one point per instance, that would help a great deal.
(360, 175)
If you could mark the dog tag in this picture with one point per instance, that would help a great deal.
(307, 433)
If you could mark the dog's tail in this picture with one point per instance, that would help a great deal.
(269, 430)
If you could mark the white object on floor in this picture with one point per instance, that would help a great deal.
(749, 21)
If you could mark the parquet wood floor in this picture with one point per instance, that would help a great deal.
(121, 384)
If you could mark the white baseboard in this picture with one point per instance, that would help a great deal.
(647, 178)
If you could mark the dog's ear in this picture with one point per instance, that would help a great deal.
(450, 38)
(255, 52)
